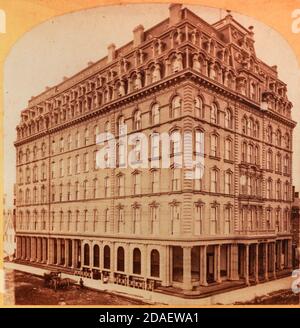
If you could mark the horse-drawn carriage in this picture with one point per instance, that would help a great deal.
(54, 280)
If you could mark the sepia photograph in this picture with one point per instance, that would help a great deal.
(150, 159)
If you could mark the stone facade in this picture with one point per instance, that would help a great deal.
(153, 227)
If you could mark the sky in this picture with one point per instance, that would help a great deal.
(65, 44)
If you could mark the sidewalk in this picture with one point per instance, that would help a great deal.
(240, 295)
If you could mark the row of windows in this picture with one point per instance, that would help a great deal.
(91, 190)
(120, 257)
(92, 222)
(275, 219)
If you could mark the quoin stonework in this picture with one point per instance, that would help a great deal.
(152, 227)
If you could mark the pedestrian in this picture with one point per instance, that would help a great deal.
(81, 283)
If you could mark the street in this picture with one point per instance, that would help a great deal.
(27, 289)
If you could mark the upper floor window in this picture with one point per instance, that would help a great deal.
(228, 149)
(228, 119)
(278, 138)
(77, 139)
(86, 136)
(269, 134)
(121, 126)
(137, 120)
(214, 114)
(136, 183)
(214, 175)
(155, 114)
(199, 112)
(176, 107)
(214, 140)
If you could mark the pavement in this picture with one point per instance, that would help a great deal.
(244, 295)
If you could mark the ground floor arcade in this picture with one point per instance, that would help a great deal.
(149, 265)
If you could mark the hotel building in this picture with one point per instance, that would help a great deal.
(153, 227)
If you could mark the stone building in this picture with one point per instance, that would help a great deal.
(147, 227)
(295, 228)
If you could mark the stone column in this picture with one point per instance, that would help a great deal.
(187, 268)
(265, 261)
(165, 266)
(217, 265)
(144, 262)
(44, 244)
(113, 262)
(19, 248)
(31, 249)
(256, 263)
(280, 255)
(58, 249)
(51, 251)
(290, 256)
(39, 249)
(74, 254)
(66, 252)
(233, 262)
(28, 247)
(274, 259)
(91, 256)
(246, 264)
(203, 266)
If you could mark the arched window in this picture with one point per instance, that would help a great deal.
(96, 252)
(278, 163)
(278, 138)
(176, 179)
(287, 141)
(199, 112)
(214, 114)
(106, 220)
(86, 257)
(269, 160)
(228, 149)
(228, 182)
(250, 127)
(27, 155)
(269, 134)
(106, 257)
(43, 219)
(228, 118)
(250, 153)
(244, 151)
(107, 127)
(136, 269)
(155, 119)
(214, 176)
(120, 259)
(137, 120)
(244, 125)
(214, 145)
(86, 136)
(176, 107)
(269, 188)
(96, 133)
(121, 126)
(85, 220)
(154, 263)
(43, 149)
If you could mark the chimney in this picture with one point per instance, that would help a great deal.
(111, 52)
(138, 35)
(175, 13)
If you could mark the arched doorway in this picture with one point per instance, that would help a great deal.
(154, 263)
(106, 257)
(86, 255)
(96, 256)
(136, 261)
(120, 259)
